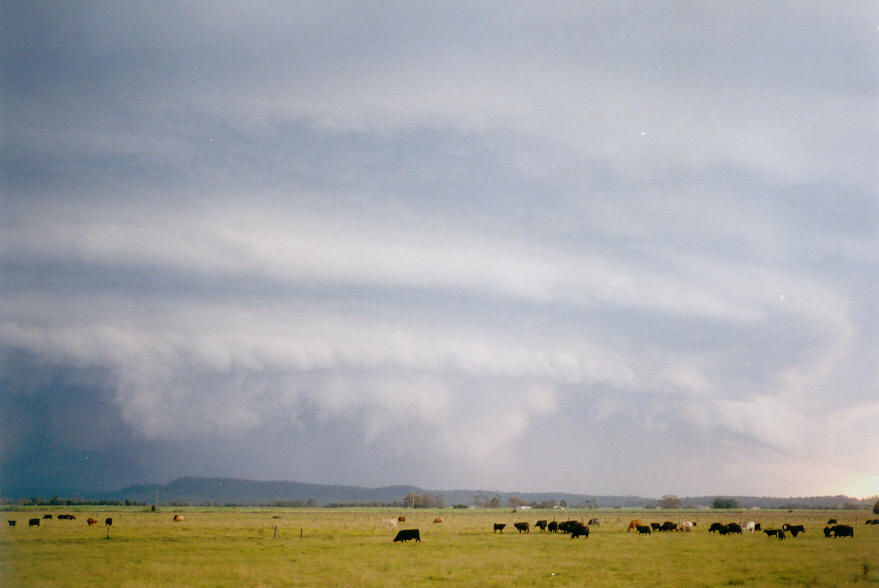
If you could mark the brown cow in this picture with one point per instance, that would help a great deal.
(402, 518)
(91, 521)
(438, 520)
(633, 525)
(178, 518)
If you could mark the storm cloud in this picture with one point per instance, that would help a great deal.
(611, 248)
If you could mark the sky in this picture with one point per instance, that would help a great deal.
(596, 247)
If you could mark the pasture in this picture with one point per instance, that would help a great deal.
(351, 547)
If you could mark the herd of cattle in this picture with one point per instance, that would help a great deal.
(575, 528)
(581, 528)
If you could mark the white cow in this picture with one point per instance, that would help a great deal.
(392, 523)
(749, 526)
(686, 526)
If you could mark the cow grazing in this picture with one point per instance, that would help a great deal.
(45, 517)
(771, 532)
(827, 532)
(655, 526)
(832, 521)
(541, 524)
(11, 523)
(633, 525)
(734, 528)
(33, 523)
(402, 518)
(793, 529)
(716, 527)
(499, 527)
(686, 526)
(749, 527)
(643, 529)
(391, 523)
(108, 521)
(178, 518)
(668, 526)
(553, 527)
(578, 529)
(407, 534)
(522, 527)
(91, 521)
(840, 531)
(66, 517)
(438, 520)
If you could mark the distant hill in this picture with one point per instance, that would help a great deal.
(224, 491)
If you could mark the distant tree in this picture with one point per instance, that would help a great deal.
(563, 504)
(724, 502)
(439, 501)
(480, 499)
(515, 502)
(670, 501)
(876, 507)
(495, 502)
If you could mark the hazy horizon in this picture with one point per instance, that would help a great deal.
(610, 246)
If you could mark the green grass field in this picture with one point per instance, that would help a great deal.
(349, 547)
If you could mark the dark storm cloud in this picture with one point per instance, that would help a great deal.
(267, 239)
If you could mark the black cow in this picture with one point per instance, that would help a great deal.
(522, 527)
(780, 535)
(668, 526)
(11, 523)
(47, 517)
(407, 534)
(541, 524)
(499, 527)
(578, 529)
(734, 528)
(715, 527)
(655, 526)
(33, 523)
(643, 529)
(827, 532)
(871, 522)
(793, 529)
(108, 521)
(771, 532)
(553, 526)
(757, 527)
(840, 531)
(832, 521)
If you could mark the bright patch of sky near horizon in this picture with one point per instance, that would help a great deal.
(601, 249)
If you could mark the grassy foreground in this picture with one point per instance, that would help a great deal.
(350, 547)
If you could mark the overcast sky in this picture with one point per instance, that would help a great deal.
(597, 247)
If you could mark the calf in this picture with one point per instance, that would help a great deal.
(643, 529)
(771, 532)
(655, 526)
(438, 520)
(522, 527)
(499, 527)
(91, 521)
(407, 534)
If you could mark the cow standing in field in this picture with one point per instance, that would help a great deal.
(499, 527)
(108, 521)
(33, 523)
(578, 529)
(793, 529)
(407, 534)
(644, 529)
(402, 518)
(553, 527)
(91, 521)
(541, 524)
(633, 525)
(391, 523)
(839, 531)
(11, 523)
(522, 527)
(438, 520)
